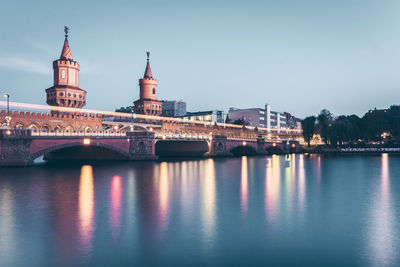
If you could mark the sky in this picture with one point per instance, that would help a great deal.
(298, 56)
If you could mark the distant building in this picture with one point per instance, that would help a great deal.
(129, 109)
(265, 118)
(211, 116)
(173, 108)
(251, 116)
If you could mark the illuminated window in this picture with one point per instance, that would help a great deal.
(63, 74)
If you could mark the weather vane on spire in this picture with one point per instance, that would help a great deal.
(148, 55)
(66, 30)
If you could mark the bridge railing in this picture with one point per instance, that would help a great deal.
(93, 133)
(182, 136)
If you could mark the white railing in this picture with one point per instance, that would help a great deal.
(371, 149)
(94, 133)
(182, 136)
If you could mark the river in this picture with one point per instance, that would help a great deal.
(301, 210)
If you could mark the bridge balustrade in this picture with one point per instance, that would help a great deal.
(66, 133)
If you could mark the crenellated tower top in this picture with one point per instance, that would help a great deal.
(66, 92)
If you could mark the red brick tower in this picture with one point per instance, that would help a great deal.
(66, 92)
(147, 103)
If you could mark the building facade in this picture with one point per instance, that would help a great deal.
(173, 108)
(148, 103)
(265, 118)
(211, 116)
(251, 116)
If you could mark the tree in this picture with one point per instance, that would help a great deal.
(324, 121)
(227, 120)
(238, 122)
(308, 126)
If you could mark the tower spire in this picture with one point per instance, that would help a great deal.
(66, 51)
(66, 30)
(147, 72)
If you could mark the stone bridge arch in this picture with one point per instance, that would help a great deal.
(79, 144)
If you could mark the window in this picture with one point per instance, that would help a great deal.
(154, 91)
(63, 74)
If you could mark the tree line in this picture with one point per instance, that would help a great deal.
(374, 126)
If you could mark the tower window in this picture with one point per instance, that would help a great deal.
(154, 91)
(63, 74)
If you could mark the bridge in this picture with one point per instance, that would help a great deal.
(121, 136)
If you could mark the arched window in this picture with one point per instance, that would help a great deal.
(63, 74)
(154, 91)
(45, 129)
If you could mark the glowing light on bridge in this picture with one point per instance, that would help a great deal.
(244, 143)
(86, 207)
(244, 187)
(115, 205)
(86, 141)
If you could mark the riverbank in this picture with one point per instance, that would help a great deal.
(348, 150)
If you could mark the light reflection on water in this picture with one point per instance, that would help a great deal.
(163, 190)
(209, 209)
(86, 208)
(115, 205)
(7, 225)
(235, 211)
(382, 231)
(244, 187)
(272, 187)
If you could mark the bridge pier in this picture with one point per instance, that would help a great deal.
(15, 148)
(218, 146)
(141, 145)
(261, 146)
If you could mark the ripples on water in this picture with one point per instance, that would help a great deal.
(297, 210)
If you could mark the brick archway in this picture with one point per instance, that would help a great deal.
(57, 147)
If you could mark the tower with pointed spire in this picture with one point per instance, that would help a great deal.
(65, 91)
(148, 103)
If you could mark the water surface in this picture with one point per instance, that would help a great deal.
(282, 211)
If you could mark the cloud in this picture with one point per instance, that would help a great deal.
(21, 63)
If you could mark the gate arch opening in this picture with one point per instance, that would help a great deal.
(172, 148)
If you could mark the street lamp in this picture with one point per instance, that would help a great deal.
(8, 118)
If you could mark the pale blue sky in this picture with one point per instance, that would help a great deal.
(298, 56)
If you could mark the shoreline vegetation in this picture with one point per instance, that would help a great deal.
(377, 131)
